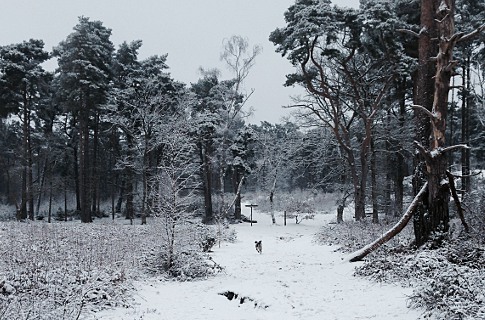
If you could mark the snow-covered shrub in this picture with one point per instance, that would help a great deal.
(63, 270)
(193, 264)
(188, 259)
(448, 281)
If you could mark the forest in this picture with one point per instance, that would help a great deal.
(391, 124)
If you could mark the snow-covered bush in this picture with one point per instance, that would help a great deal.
(188, 259)
(192, 264)
(62, 270)
(448, 281)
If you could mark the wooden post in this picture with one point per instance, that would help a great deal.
(285, 217)
(251, 206)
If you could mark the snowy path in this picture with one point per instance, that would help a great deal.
(294, 278)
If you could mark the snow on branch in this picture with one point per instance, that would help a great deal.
(456, 146)
(407, 31)
(472, 34)
(424, 110)
(362, 253)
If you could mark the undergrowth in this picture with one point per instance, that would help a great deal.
(70, 270)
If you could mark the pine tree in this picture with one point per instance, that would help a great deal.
(84, 60)
(22, 85)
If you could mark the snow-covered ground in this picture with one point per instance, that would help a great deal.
(294, 278)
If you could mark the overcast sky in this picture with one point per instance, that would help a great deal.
(189, 31)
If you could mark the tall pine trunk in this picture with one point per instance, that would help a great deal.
(436, 214)
(423, 96)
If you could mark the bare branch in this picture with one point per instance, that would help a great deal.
(456, 146)
(410, 32)
(424, 110)
(472, 34)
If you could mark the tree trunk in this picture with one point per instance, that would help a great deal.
(128, 185)
(340, 213)
(30, 179)
(49, 216)
(22, 212)
(423, 96)
(42, 182)
(84, 162)
(401, 164)
(207, 181)
(374, 192)
(465, 128)
(77, 179)
(94, 168)
(436, 219)
(237, 203)
(271, 196)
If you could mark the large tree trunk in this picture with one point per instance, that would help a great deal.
(423, 96)
(436, 220)
(22, 213)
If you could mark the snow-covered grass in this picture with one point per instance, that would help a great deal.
(60, 270)
(68, 270)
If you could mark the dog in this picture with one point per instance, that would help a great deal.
(259, 246)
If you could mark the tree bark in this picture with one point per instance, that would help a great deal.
(423, 96)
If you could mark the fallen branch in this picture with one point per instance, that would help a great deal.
(360, 254)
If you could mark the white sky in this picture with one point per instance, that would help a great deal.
(190, 31)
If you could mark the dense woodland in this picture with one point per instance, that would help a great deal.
(394, 90)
